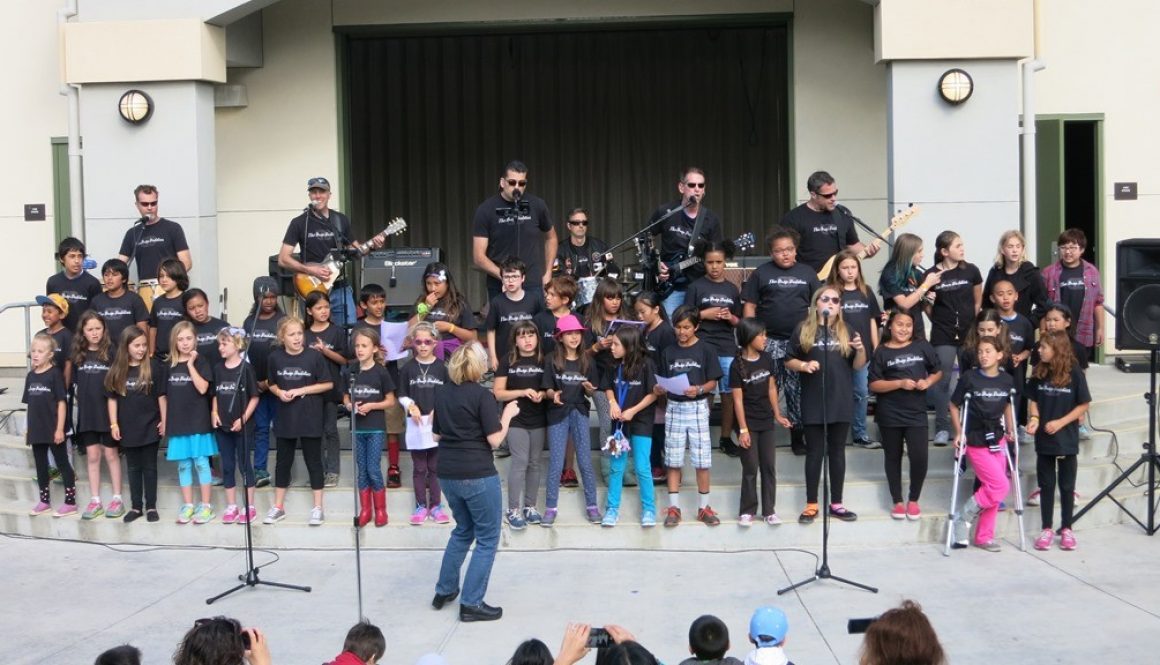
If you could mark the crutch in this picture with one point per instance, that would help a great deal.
(1013, 467)
(959, 452)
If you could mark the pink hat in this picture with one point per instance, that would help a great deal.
(567, 324)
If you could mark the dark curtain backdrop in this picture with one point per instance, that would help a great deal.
(604, 120)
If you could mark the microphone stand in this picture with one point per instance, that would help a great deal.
(250, 578)
(846, 211)
(355, 368)
(646, 230)
(823, 570)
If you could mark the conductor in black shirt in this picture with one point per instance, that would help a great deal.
(514, 223)
(825, 227)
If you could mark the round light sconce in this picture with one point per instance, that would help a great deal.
(135, 106)
(955, 86)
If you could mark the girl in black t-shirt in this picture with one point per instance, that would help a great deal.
(234, 401)
(329, 340)
(861, 312)
(167, 308)
(520, 376)
(92, 354)
(445, 306)
(628, 389)
(205, 327)
(754, 397)
(902, 283)
(368, 399)
(658, 336)
(133, 386)
(958, 298)
(607, 305)
(188, 422)
(262, 326)
(44, 394)
(418, 381)
(987, 323)
(1058, 397)
(900, 373)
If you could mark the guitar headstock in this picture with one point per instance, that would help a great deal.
(902, 217)
(397, 226)
(745, 242)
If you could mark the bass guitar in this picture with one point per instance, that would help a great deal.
(305, 283)
(899, 220)
(742, 243)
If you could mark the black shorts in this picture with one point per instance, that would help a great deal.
(86, 439)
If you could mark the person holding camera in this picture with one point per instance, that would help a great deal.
(514, 223)
(222, 640)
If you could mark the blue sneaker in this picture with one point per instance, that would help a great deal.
(648, 518)
(516, 520)
(610, 517)
(531, 516)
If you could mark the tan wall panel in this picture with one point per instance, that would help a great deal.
(953, 29)
(387, 12)
(125, 51)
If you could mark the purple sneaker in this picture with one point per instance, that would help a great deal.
(593, 514)
(419, 516)
(67, 510)
(231, 515)
(40, 509)
(439, 516)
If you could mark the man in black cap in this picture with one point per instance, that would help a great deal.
(317, 232)
(513, 223)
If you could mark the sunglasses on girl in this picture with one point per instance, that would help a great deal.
(423, 342)
(831, 299)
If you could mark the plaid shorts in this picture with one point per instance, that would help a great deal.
(688, 422)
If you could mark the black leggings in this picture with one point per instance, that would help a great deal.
(1045, 470)
(916, 451)
(758, 458)
(815, 445)
(60, 456)
(311, 452)
(142, 463)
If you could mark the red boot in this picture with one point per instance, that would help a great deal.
(364, 502)
(380, 507)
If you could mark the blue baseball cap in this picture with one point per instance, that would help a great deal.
(768, 626)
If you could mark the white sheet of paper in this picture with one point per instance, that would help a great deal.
(419, 437)
(676, 385)
(392, 336)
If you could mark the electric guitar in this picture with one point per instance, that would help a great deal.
(742, 243)
(898, 221)
(305, 283)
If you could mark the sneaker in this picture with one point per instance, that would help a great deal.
(708, 516)
(40, 508)
(913, 512)
(419, 516)
(67, 510)
(185, 515)
(276, 514)
(330, 480)
(316, 516)
(531, 515)
(93, 510)
(593, 514)
(1066, 540)
(549, 518)
(648, 518)
(745, 520)
(217, 481)
(942, 438)
(673, 516)
(867, 444)
(515, 520)
(394, 478)
(132, 516)
(840, 512)
(1033, 498)
(898, 512)
(809, 514)
(1025, 437)
(261, 478)
(568, 479)
(1084, 433)
(116, 508)
(439, 516)
(231, 515)
(658, 474)
(503, 451)
(990, 546)
(611, 516)
(204, 514)
(772, 520)
(246, 516)
(1043, 542)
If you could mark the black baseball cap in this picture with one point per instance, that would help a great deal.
(318, 183)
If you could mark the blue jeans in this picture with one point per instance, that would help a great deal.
(368, 454)
(673, 301)
(263, 416)
(476, 505)
(576, 424)
(861, 393)
(342, 311)
(641, 447)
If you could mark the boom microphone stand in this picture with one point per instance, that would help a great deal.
(823, 570)
(250, 578)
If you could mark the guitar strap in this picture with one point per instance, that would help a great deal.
(698, 224)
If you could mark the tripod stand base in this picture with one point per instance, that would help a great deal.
(250, 579)
(1152, 460)
(823, 573)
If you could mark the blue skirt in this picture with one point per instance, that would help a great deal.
(191, 446)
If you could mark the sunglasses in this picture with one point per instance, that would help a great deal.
(831, 195)
(577, 222)
(147, 204)
(695, 185)
(423, 342)
(516, 183)
(831, 299)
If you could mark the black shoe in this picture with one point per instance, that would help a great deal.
(151, 515)
(480, 612)
(799, 451)
(440, 600)
(132, 516)
(728, 447)
(797, 441)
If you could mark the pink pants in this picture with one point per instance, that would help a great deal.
(991, 470)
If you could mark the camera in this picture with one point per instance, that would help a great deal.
(859, 626)
(598, 638)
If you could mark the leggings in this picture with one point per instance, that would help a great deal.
(657, 453)
(1045, 470)
(425, 478)
(576, 424)
(916, 451)
(640, 450)
(230, 446)
(185, 471)
(60, 456)
(527, 447)
(311, 452)
(991, 470)
(330, 438)
(142, 463)
(758, 458)
(816, 445)
(368, 453)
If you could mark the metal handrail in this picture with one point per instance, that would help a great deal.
(26, 306)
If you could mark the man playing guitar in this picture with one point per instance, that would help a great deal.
(680, 231)
(825, 227)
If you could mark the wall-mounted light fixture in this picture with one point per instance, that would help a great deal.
(135, 106)
(955, 86)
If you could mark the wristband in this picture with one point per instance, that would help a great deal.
(1033, 417)
(452, 330)
(743, 430)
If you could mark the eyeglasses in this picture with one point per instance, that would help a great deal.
(695, 185)
(516, 183)
(512, 278)
(831, 195)
(423, 342)
(1069, 248)
(147, 204)
(784, 252)
(577, 222)
(833, 299)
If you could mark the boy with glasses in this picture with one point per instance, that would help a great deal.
(1076, 283)
(513, 305)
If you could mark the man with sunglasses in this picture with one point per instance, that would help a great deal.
(514, 223)
(152, 239)
(680, 231)
(575, 257)
(825, 227)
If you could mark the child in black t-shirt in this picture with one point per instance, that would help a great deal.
(861, 312)
(520, 377)
(373, 299)
(73, 284)
(54, 310)
(92, 354)
(987, 323)
(418, 381)
(235, 398)
(372, 393)
(262, 327)
(205, 326)
(44, 394)
(1020, 340)
(607, 306)
(188, 423)
(132, 386)
(168, 306)
(658, 336)
(119, 307)
(510, 307)
(329, 340)
(1058, 397)
(444, 305)
(629, 391)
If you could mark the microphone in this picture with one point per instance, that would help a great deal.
(517, 195)
(692, 201)
(826, 316)
(144, 219)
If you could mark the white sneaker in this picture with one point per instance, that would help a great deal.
(772, 520)
(942, 438)
(1033, 498)
(745, 520)
(316, 517)
(276, 514)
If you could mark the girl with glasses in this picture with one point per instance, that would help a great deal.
(418, 381)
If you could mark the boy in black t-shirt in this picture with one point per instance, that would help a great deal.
(510, 307)
(1020, 340)
(72, 282)
(119, 307)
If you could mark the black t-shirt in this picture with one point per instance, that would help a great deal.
(754, 387)
(302, 417)
(570, 382)
(658, 339)
(953, 312)
(577, 261)
(1072, 289)
(638, 388)
(782, 296)
(517, 234)
(860, 311)
(1020, 334)
(698, 362)
(890, 285)
(677, 234)
(261, 338)
(839, 379)
(89, 379)
(63, 339)
(1056, 402)
(334, 337)
(603, 357)
(372, 385)
(902, 408)
(43, 391)
(78, 291)
(546, 322)
(317, 236)
(823, 234)
(119, 313)
(149, 244)
(503, 313)
(419, 381)
(187, 410)
(138, 412)
(990, 397)
(523, 374)
(1028, 283)
(225, 387)
(463, 319)
(206, 336)
(717, 333)
(166, 313)
(465, 414)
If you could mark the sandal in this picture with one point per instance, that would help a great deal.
(809, 514)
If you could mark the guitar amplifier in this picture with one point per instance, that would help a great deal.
(285, 278)
(399, 270)
(738, 269)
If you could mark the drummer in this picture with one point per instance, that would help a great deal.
(151, 240)
(583, 257)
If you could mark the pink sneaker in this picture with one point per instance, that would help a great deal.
(40, 508)
(913, 512)
(439, 516)
(1043, 542)
(67, 510)
(231, 515)
(1066, 540)
(247, 516)
(898, 512)
(1033, 498)
(419, 516)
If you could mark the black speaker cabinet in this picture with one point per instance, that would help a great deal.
(1138, 294)
(399, 270)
